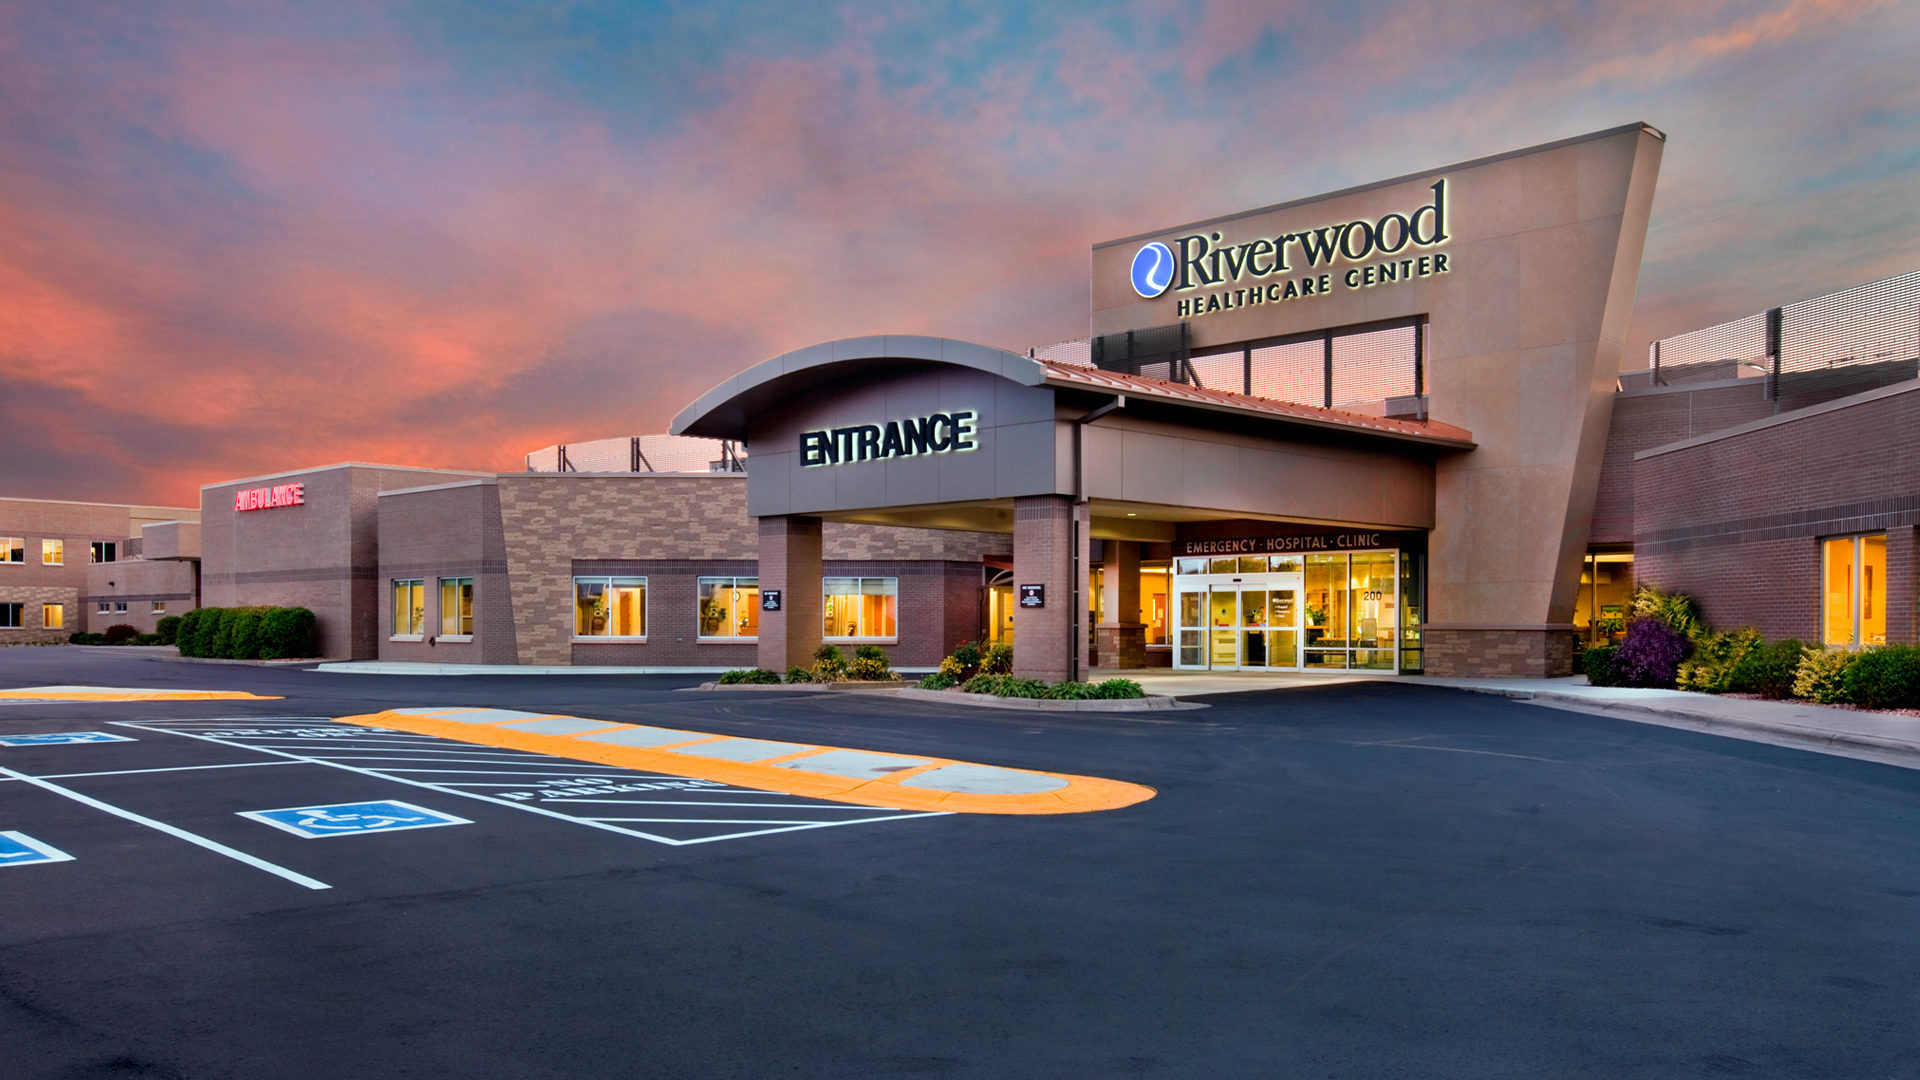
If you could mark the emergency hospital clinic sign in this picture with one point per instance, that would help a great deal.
(267, 498)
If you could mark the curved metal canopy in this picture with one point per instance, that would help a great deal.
(724, 411)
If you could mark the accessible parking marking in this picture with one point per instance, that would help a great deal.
(62, 738)
(19, 849)
(675, 810)
(353, 819)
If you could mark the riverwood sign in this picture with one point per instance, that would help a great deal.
(941, 433)
(1225, 275)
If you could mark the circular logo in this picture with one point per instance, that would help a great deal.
(1152, 269)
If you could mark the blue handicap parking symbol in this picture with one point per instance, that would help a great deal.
(19, 849)
(62, 738)
(346, 819)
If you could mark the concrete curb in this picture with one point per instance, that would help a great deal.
(799, 688)
(1150, 703)
(1693, 720)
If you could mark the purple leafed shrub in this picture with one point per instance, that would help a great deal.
(1651, 654)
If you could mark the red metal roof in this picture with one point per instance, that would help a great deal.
(1059, 374)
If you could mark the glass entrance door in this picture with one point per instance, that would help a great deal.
(1243, 625)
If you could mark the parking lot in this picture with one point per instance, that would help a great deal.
(1356, 880)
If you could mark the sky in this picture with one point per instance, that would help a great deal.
(243, 238)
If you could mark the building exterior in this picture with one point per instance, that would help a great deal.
(68, 567)
(1383, 430)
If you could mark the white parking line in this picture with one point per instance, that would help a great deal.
(172, 768)
(173, 831)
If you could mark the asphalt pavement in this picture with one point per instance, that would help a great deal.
(1354, 880)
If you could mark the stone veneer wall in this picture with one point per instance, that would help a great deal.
(1494, 652)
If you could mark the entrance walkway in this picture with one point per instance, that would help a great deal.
(1194, 683)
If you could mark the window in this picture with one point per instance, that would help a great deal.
(10, 617)
(53, 552)
(456, 607)
(119, 607)
(610, 607)
(1853, 595)
(13, 549)
(159, 607)
(105, 607)
(53, 616)
(729, 607)
(409, 607)
(101, 551)
(861, 608)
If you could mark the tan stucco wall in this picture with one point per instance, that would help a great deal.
(1526, 331)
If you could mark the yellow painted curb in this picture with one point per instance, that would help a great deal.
(1081, 794)
(134, 695)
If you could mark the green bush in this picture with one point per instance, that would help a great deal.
(220, 638)
(1119, 690)
(967, 654)
(289, 633)
(247, 633)
(869, 652)
(798, 674)
(1884, 678)
(1597, 662)
(749, 676)
(997, 659)
(1071, 691)
(148, 639)
(93, 639)
(868, 669)
(939, 680)
(1715, 655)
(78, 637)
(186, 633)
(1768, 670)
(1677, 610)
(121, 633)
(1006, 686)
(167, 629)
(1822, 676)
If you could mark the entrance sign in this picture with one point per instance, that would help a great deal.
(940, 433)
(19, 849)
(343, 819)
(1033, 596)
(63, 738)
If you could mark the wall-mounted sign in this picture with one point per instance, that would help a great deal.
(941, 433)
(1223, 275)
(266, 498)
(1033, 596)
(1354, 540)
(769, 599)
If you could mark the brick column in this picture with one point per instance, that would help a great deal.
(1044, 638)
(1123, 638)
(1903, 586)
(790, 562)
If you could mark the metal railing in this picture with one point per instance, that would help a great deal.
(641, 454)
(1846, 341)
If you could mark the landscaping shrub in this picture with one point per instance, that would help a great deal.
(798, 674)
(870, 664)
(1119, 690)
(248, 633)
(1003, 685)
(1710, 668)
(92, 639)
(1597, 662)
(997, 659)
(1884, 678)
(939, 680)
(167, 629)
(220, 638)
(78, 637)
(149, 639)
(967, 654)
(120, 634)
(1071, 691)
(1768, 670)
(288, 633)
(1822, 675)
(750, 676)
(1651, 654)
(1677, 610)
(953, 669)
(829, 663)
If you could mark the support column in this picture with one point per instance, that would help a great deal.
(1903, 586)
(1044, 638)
(1123, 639)
(790, 562)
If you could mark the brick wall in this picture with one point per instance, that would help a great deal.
(447, 532)
(1494, 653)
(1735, 521)
(77, 526)
(31, 599)
(1043, 554)
(139, 584)
(1644, 419)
